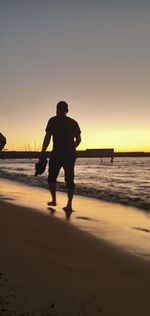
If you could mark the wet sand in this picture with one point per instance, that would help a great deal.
(50, 267)
(124, 226)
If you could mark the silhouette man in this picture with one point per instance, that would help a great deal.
(2, 141)
(66, 137)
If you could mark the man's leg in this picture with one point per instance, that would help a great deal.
(54, 167)
(70, 193)
(52, 187)
(69, 179)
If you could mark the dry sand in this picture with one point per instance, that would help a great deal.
(49, 267)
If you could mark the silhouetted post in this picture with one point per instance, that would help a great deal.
(112, 159)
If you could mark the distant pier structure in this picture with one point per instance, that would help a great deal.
(99, 153)
(88, 153)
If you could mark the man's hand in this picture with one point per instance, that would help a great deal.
(77, 141)
(46, 142)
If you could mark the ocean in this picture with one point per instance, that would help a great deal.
(126, 181)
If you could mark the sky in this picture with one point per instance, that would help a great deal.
(93, 54)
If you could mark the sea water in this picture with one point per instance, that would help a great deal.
(126, 181)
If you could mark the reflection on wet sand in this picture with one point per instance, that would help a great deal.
(51, 210)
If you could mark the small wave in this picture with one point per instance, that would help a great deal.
(106, 194)
(20, 169)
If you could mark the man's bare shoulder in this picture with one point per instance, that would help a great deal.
(53, 118)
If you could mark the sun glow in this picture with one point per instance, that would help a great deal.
(119, 139)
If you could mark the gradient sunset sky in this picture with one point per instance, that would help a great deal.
(93, 54)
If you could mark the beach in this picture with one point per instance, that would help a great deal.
(74, 112)
(50, 266)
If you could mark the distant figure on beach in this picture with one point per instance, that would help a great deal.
(66, 137)
(2, 141)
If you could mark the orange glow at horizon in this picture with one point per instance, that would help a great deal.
(119, 139)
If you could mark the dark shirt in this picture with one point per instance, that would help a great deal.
(64, 131)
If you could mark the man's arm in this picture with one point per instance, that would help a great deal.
(78, 140)
(2, 141)
(46, 142)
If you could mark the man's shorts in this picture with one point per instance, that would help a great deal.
(67, 163)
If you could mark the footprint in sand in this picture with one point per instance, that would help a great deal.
(85, 218)
(7, 198)
(146, 230)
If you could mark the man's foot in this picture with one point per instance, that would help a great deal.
(68, 209)
(52, 203)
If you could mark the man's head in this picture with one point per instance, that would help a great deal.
(62, 108)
